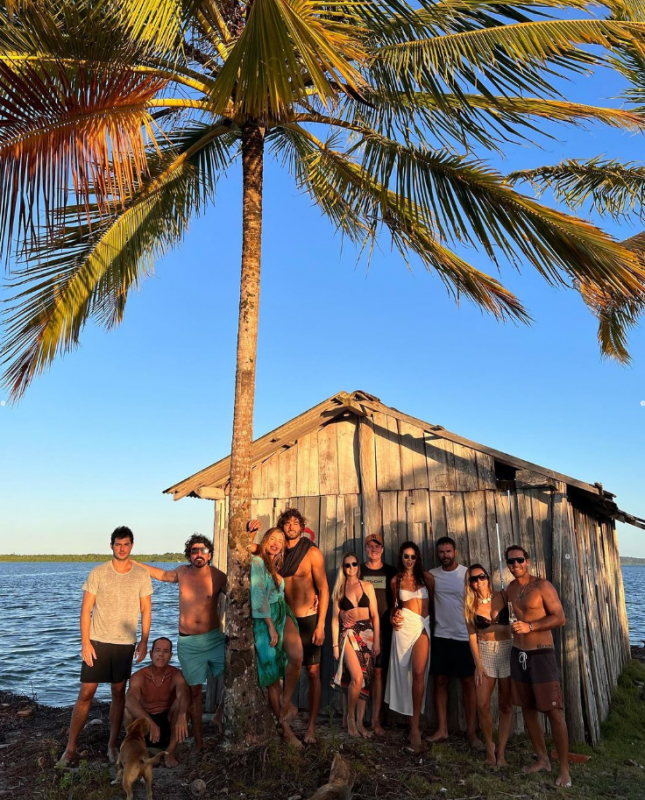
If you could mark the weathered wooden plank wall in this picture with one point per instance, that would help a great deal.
(357, 475)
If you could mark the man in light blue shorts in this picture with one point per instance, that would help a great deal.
(201, 641)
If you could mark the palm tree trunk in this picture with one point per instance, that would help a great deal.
(245, 710)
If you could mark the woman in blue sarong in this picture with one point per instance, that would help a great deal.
(278, 647)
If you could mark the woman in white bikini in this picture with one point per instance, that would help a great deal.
(407, 678)
(487, 618)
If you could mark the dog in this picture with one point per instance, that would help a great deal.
(133, 761)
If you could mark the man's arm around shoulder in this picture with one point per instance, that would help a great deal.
(165, 575)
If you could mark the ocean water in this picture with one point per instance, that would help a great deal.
(39, 625)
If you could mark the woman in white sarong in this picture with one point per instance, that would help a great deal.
(407, 676)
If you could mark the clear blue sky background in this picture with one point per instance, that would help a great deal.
(96, 440)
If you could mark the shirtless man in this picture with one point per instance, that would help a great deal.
(535, 677)
(201, 641)
(161, 695)
(305, 588)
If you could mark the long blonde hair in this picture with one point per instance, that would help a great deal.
(341, 579)
(272, 564)
(470, 595)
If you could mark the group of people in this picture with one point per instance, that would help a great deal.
(391, 627)
(115, 595)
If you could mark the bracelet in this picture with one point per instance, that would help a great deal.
(335, 645)
(530, 627)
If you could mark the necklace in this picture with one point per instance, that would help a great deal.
(163, 677)
(485, 600)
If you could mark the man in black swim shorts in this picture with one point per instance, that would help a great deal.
(307, 594)
(535, 678)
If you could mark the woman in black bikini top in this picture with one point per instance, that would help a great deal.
(487, 619)
(356, 640)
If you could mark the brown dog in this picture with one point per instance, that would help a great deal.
(133, 762)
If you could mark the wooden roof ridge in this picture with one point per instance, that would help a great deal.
(360, 402)
(281, 437)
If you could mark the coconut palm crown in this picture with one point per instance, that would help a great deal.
(118, 117)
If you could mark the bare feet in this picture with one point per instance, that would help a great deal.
(501, 760)
(364, 732)
(288, 712)
(564, 779)
(112, 755)
(378, 730)
(169, 760)
(490, 756)
(291, 739)
(476, 743)
(438, 736)
(64, 761)
(217, 719)
(541, 765)
(310, 736)
(352, 730)
(416, 745)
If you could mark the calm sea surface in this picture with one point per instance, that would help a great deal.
(40, 604)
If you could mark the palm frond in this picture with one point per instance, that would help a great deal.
(509, 57)
(89, 270)
(616, 318)
(285, 46)
(608, 186)
(336, 183)
(58, 129)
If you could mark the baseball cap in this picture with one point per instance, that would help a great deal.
(374, 537)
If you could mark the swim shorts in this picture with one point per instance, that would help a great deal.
(113, 663)
(451, 657)
(535, 679)
(310, 652)
(200, 653)
(165, 732)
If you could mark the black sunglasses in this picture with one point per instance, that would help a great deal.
(518, 560)
(350, 564)
(410, 558)
(476, 578)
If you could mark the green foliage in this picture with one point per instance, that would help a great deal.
(130, 113)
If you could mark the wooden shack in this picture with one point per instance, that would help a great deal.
(353, 466)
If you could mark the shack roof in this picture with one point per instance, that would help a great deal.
(209, 483)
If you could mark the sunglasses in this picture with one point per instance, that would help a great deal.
(195, 551)
(518, 560)
(477, 578)
(350, 564)
(409, 558)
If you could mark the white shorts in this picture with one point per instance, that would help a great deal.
(496, 657)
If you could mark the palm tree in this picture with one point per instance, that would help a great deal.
(119, 116)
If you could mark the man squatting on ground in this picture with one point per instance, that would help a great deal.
(201, 640)
(307, 594)
(379, 575)
(450, 653)
(535, 677)
(159, 693)
(114, 595)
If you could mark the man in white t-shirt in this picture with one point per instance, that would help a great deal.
(115, 593)
(450, 650)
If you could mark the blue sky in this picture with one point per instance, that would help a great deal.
(97, 438)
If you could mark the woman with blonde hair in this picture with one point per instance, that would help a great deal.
(487, 618)
(407, 678)
(277, 642)
(356, 640)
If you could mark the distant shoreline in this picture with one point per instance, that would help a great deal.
(91, 557)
